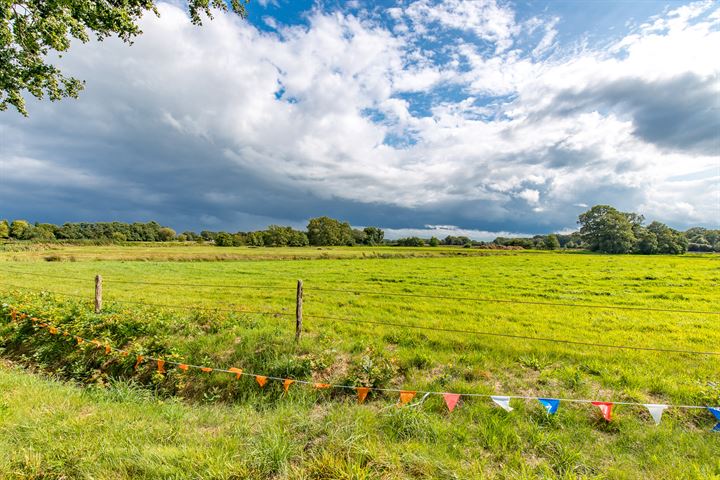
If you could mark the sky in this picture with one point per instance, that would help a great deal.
(425, 117)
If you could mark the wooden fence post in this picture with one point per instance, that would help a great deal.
(98, 293)
(298, 311)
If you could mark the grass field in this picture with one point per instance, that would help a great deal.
(146, 425)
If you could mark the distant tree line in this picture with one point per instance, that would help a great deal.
(602, 229)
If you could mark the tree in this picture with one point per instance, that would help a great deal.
(328, 231)
(373, 236)
(4, 229)
(18, 229)
(223, 239)
(647, 243)
(434, 242)
(31, 29)
(605, 229)
(359, 237)
(551, 242)
(410, 242)
(165, 234)
(668, 240)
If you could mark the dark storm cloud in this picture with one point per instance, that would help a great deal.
(681, 113)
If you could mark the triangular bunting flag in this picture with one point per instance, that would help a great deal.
(406, 396)
(79, 340)
(504, 402)
(138, 361)
(362, 393)
(53, 330)
(66, 333)
(183, 367)
(551, 404)
(108, 349)
(261, 380)
(286, 384)
(206, 369)
(605, 408)
(321, 386)
(716, 414)
(13, 315)
(451, 400)
(236, 371)
(656, 411)
(161, 366)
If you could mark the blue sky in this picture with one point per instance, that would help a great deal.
(422, 117)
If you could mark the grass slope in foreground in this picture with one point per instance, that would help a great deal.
(324, 435)
(53, 430)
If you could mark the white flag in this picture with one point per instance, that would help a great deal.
(656, 411)
(504, 402)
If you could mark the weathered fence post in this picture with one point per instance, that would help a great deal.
(98, 293)
(298, 311)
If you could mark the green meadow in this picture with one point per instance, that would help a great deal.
(400, 318)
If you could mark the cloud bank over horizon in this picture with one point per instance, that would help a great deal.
(479, 115)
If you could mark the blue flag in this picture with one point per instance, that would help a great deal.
(551, 404)
(716, 413)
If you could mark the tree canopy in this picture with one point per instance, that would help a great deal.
(31, 29)
(605, 229)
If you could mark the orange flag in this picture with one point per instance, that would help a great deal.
(124, 353)
(406, 396)
(79, 340)
(261, 380)
(107, 349)
(183, 367)
(605, 408)
(286, 384)
(161, 366)
(13, 315)
(138, 361)
(362, 393)
(206, 369)
(53, 330)
(236, 371)
(451, 400)
(321, 386)
(66, 333)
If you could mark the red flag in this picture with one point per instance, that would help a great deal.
(605, 408)
(451, 400)
(236, 371)
(406, 396)
(286, 384)
(362, 393)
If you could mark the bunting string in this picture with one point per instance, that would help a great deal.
(452, 400)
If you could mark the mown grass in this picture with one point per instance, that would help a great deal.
(310, 434)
